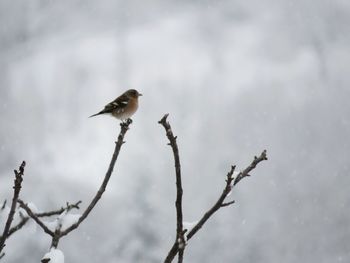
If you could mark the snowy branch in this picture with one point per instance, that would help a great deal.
(25, 219)
(17, 188)
(58, 232)
(35, 218)
(65, 223)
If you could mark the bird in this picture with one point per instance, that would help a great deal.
(122, 107)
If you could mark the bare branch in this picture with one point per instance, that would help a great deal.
(179, 244)
(35, 217)
(220, 203)
(124, 128)
(230, 183)
(17, 188)
(216, 206)
(228, 203)
(246, 171)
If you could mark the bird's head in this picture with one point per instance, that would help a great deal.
(132, 94)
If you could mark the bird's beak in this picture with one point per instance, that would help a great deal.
(140, 94)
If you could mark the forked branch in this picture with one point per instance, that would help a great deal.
(58, 233)
(228, 188)
(181, 237)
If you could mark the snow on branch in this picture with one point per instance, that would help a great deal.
(65, 223)
(24, 219)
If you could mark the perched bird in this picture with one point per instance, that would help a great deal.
(122, 107)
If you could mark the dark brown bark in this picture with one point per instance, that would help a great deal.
(179, 245)
(58, 233)
(16, 190)
(180, 240)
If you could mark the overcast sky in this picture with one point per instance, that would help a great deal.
(236, 77)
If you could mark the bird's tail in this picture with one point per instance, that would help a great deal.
(99, 113)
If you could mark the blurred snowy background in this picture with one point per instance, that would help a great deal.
(236, 77)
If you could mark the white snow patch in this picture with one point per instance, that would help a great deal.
(55, 256)
(63, 221)
(32, 207)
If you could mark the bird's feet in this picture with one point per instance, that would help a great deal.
(126, 122)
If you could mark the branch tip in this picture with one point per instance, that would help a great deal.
(265, 154)
(21, 168)
(163, 119)
(228, 203)
(16, 190)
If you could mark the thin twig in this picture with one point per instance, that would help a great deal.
(220, 202)
(17, 188)
(61, 210)
(3, 205)
(179, 243)
(246, 171)
(216, 206)
(228, 203)
(17, 227)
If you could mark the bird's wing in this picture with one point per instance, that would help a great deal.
(119, 103)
